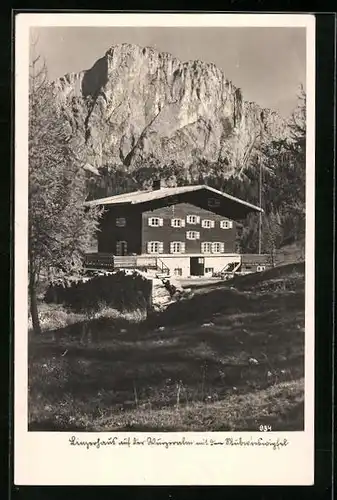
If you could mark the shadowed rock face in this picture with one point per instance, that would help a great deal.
(137, 103)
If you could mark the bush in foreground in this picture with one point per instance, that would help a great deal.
(120, 291)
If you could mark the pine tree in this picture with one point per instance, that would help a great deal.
(60, 227)
(272, 234)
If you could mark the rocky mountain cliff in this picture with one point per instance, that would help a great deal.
(138, 105)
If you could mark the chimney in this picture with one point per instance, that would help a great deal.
(156, 184)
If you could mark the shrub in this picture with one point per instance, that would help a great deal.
(124, 292)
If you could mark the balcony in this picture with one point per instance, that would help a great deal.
(110, 262)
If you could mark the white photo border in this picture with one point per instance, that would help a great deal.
(46, 458)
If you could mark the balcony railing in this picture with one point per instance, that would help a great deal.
(99, 261)
(113, 262)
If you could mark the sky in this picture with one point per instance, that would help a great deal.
(268, 64)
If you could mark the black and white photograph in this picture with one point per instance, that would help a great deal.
(167, 229)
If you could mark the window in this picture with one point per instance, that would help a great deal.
(213, 202)
(193, 219)
(120, 221)
(206, 247)
(207, 223)
(177, 247)
(177, 223)
(260, 268)
(121, 248)
(226, 224)
(192, 235)
(155, 247)
(155, 221)
(209, 270)
(218, 247)
(178, 271)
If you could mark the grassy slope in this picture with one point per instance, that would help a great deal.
(294, 252)
(230, 358)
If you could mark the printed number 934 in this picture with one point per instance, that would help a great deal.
(265, 428)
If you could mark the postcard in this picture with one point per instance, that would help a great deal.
(164, 249)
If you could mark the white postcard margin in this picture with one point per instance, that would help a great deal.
(46, 458)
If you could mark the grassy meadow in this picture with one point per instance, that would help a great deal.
(230, 358)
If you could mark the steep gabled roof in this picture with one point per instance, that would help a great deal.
(140, 197)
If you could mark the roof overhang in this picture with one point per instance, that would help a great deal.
(224, 204)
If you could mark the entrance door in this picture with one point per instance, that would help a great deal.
(197, 266)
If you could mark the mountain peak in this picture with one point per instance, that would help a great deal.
(138, 106)
(137, 50)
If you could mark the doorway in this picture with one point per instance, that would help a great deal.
(197, 266)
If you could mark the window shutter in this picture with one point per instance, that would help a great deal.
(171, 247)
(182, 222)
(182, 247)
(172, 222)
(222, 248)
(161, 247)
(161, 221)
(198, 219)
(230, 224)
(197, 235)
(149, 247)
(212, 223)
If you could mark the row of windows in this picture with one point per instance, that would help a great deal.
(190, 219)
(214, 247)
(179, 247)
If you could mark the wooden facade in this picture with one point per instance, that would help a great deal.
(168, 233)
(191, 231)
(113, 231)
(131, 226)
